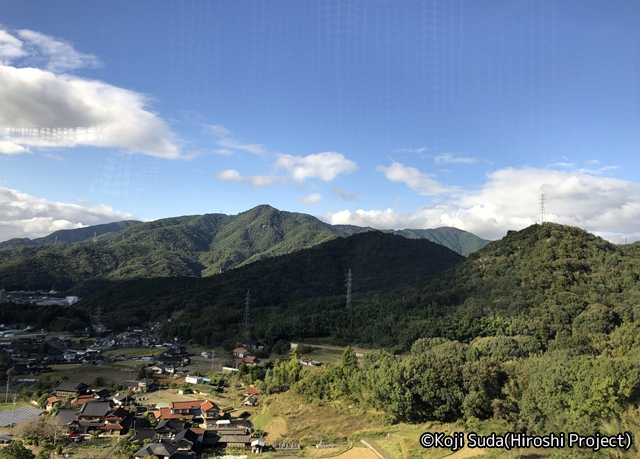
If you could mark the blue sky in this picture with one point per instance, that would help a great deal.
(403, 114)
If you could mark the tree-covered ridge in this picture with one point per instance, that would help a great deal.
(197, 245)
(300, 294)
(71, 235)
(545, 280)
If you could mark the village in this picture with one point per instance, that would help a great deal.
(132, 390)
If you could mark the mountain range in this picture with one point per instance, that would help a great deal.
(189, 246)
(548, 281)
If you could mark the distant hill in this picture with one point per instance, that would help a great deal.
(288, 286)
(71, 235)
(197, 245)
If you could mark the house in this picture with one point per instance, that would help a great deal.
(66, 420)
(253, 345)
(91, 416)
(250, 360)
(250, 400)
(101, 395)
(82, 399)
(51, 401)
(140, 386)
(209, 412)
(121, 399)
(117, 421)
(257, 446)
(234, 441)
(71, 389)
(251, 391)
(241, 352)
(161, 449)
(186, 440)
(166, 430)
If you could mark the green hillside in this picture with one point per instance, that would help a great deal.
(198, 245)
(306, 287)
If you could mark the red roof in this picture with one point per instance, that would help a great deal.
(185, 405)
(207, 405)
(54, 399)
(111, 427)
(252, 391)
(165, 413)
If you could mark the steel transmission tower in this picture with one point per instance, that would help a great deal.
(349, 278)
(542, 207)
(247, 310)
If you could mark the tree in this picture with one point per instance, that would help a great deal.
(16, 450)
(349, 361)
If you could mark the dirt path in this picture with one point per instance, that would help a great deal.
(357, 453)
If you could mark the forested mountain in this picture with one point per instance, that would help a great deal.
(198, 246)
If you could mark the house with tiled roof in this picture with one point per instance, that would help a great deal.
(66, 389)
(241, 352)
(117, 421)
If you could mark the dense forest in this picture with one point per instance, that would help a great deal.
(188, 246)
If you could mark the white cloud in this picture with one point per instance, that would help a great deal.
(509, 200)
(232, 175)
(325, 166)
(23, 215)
(447, 158)
(419, 182)
(10, 48)
(52, 156)
(8, 147)
(61, 56)
(410, 150)
(313, 198)
(44, 109)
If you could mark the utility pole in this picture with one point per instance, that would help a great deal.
(6, 396)
(13, 409)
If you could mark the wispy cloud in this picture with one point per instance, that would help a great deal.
(313, 198)
(42, 108)
(52, 156)
(410, 150)
(419, 182)
(57, 55)
(448, 158)
(232, 145)
(584, 170)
